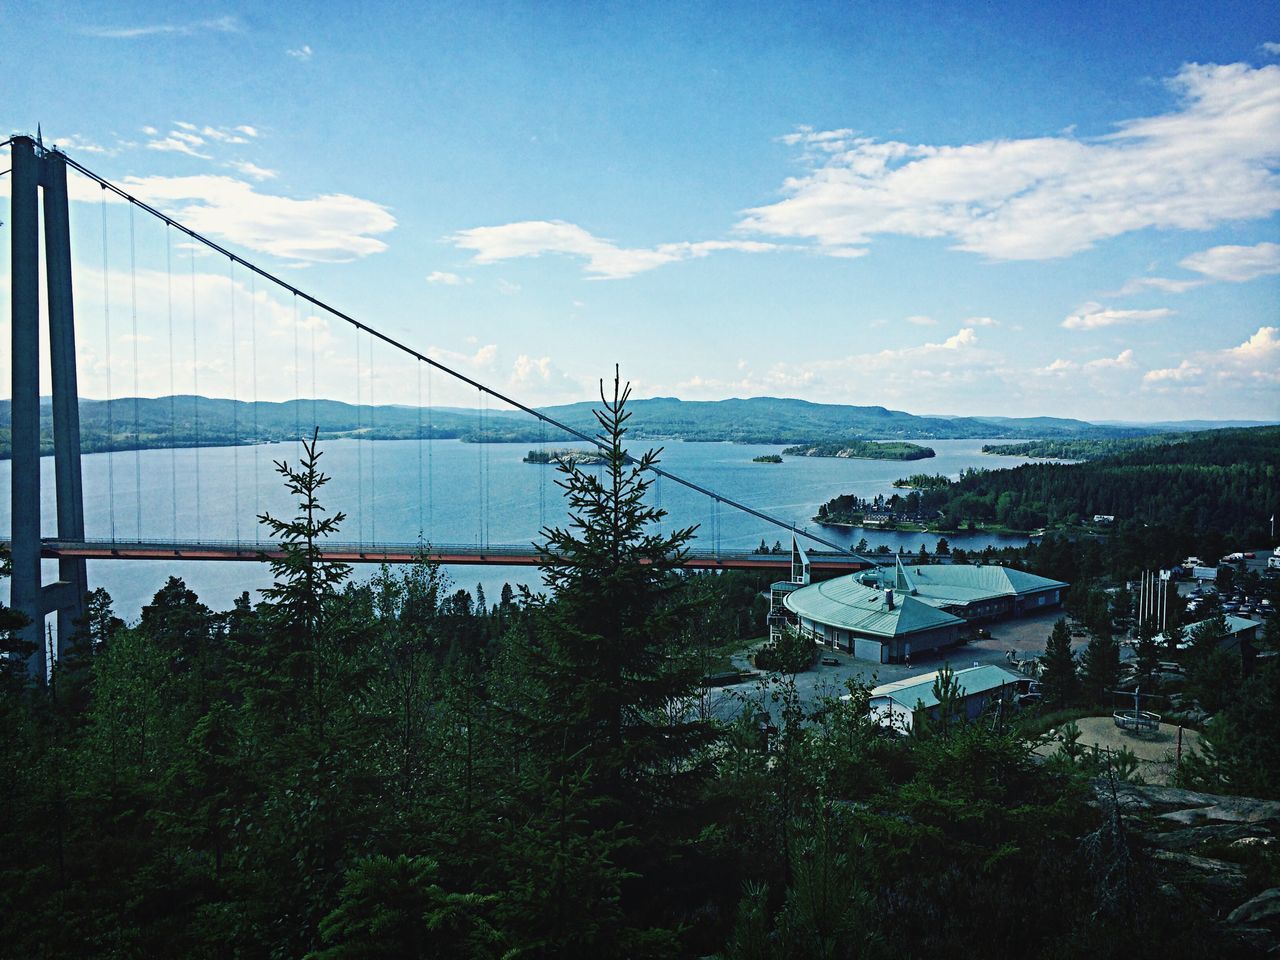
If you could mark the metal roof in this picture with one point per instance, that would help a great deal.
(847, 604)
(971, 681)
(961, 583)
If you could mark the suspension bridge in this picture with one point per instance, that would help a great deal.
(168, 473)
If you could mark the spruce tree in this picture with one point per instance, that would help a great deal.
(1058, 676)
(1101, 667)
(601, 700)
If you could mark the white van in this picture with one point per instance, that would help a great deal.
(1273, 563)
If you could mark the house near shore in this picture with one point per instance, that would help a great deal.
(889, 614)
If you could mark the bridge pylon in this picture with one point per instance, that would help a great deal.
(39, 177)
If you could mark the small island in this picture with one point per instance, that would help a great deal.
(923, 481)
(575, 458)
(767, 458)
(863, 450)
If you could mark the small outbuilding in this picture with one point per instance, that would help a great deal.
(895, 705)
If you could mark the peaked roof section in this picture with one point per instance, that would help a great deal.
(948, 583)
(847, 604)
(971, 681)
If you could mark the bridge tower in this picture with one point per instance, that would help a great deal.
(38, 175)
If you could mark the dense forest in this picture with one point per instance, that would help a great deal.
(1223, 480)
(1218, 487)
(863, 450)
(402, 769)
(1087, 448)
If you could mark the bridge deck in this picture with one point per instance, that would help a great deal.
(506, 555)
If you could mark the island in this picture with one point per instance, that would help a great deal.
(923, 481)
(767, 458)
(576, 458)
(863, 450)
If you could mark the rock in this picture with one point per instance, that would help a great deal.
(1226, 878)
(1229, 810)
(1264, 908)
(1191, 837)
(1188, 806)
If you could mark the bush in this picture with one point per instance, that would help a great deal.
(792, 653)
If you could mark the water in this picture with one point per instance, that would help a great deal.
(134, 496)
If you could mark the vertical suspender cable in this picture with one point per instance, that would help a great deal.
(359, 448)
(297, 395)
(431, 442)
(315, 418)
(542, 478)
(106, 315)
(173, 387)
(195, 385)
(235, 400)
(373, 454)
(480, 473)
(253, 371)
(417, 365)
(137, 435)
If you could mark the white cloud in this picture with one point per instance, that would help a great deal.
(325, 229)
(507, 288)
(1253, 364)
(1163, 284)
(1093, 316)
(1183, 372)
(1271, 47)
(920, 320)
(1208, 161)
(178, 144)
(217, 25)
(1122, 361)
(303, 52)
(1235, 264)
(252, 170)
(982, 322)
(446, 278)
(605, 259)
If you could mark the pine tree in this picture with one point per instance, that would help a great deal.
(1058, 677)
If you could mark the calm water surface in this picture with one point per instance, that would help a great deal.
(394, 489)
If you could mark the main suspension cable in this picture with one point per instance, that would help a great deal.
(456, 374)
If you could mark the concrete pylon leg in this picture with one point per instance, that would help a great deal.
(24, 226)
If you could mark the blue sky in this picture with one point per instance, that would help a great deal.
(944, 208)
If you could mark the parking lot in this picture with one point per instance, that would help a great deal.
(1025, 636)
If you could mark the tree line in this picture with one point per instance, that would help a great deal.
(400, 769)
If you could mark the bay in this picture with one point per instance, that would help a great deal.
(450, 492)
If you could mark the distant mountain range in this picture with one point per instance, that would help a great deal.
(202, 421)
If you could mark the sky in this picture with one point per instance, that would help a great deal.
(968, 209)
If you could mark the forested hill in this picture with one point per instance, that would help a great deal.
(1085, 448)
(187, 421)
(1220, 480)
(791, 421)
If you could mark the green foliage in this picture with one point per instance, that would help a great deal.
(1100, 668)
(392, 907)
(863, 450)
(1058, 678)
(792, 652)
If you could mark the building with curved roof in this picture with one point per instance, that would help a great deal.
(889, 614)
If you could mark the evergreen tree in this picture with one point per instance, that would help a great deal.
(597, 692)
(1101, 668)
(1148, 652)
(1058, 677)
